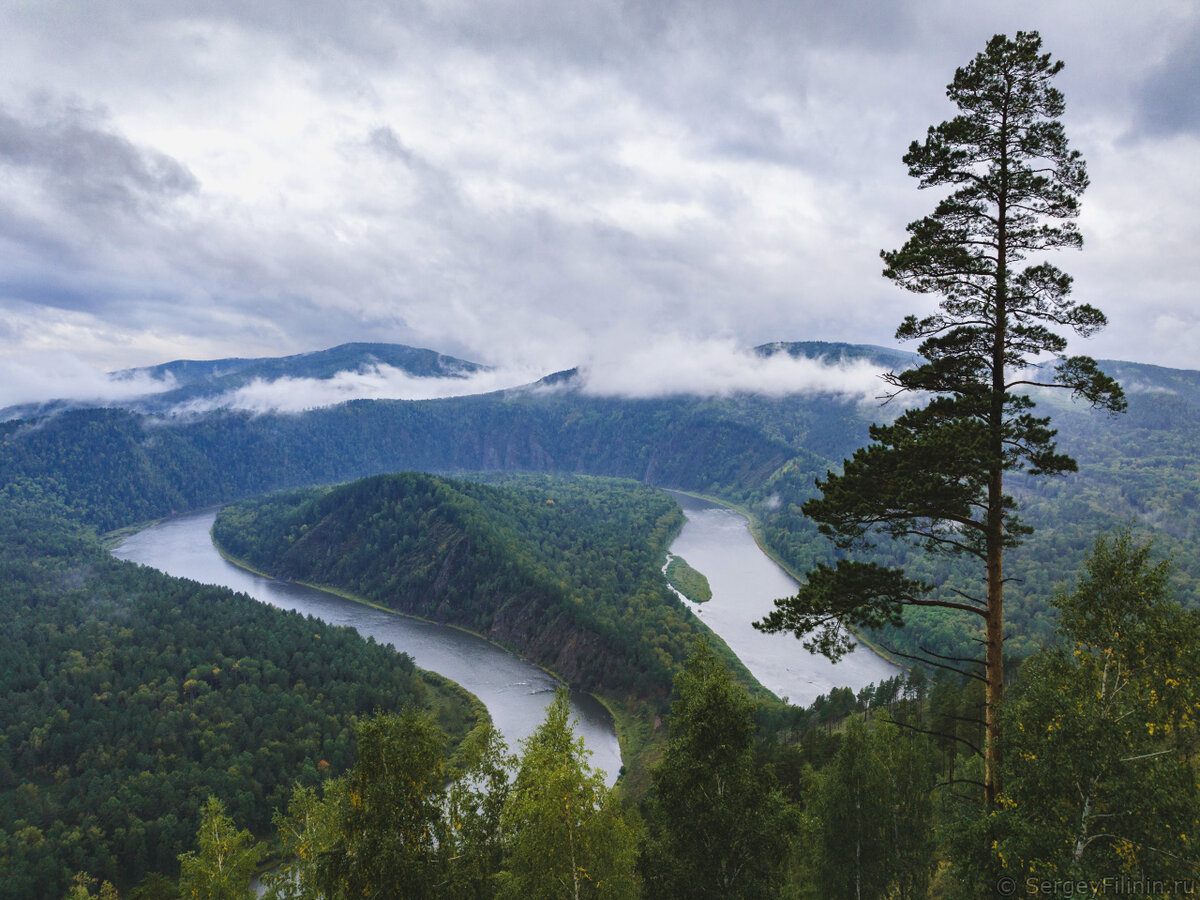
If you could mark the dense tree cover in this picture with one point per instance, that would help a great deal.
(867, 794)
(867, 828)
(566, 570)
(1103, 732)
(115, 468)
(112, 468)
(130, 696)
(383, 831)
(1140, 467)
(408, 821)
(1100, 783)
(717, 825)
(411, 819)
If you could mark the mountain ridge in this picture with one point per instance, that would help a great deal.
(197, 381)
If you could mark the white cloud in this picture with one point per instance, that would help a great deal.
(370, 383)
(41, 377)
(675, 365)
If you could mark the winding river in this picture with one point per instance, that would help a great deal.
(745, 582)
(515, 692)
(715, 540)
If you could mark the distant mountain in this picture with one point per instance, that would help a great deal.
(314, 364)
(203, 379)
(212, 378)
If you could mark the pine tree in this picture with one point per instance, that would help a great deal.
(935, 477)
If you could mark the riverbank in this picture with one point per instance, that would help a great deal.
(755, 528)
(514, 692)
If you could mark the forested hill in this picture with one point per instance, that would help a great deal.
(112, 468)
(351, 357)
(568, 571)
(129, 697)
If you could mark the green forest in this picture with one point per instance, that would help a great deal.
(566, 571)
(867, 795)
(1023, 526)
(130, 696)
(69, 476)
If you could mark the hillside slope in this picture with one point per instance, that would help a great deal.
(113, 468)
(568, 571)
(130, 696)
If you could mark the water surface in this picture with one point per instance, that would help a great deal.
(745, 582)
(516, 693)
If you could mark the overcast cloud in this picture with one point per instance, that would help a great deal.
(539, 185)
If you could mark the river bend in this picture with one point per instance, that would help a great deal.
(516, 693)
(714, 540)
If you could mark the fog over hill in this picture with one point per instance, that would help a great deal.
(669, 367)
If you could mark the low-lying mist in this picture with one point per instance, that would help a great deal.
(679, 366)
(377, 382)
(43, 377)
(668, 366)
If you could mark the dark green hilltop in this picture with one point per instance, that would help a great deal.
(565, 570)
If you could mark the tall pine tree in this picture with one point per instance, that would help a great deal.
(935, 477)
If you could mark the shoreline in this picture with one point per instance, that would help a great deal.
(756, 533)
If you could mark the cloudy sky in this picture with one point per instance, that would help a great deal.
(545, 183)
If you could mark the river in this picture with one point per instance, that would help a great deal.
(714, 540)
(745, 582)
(515, 692)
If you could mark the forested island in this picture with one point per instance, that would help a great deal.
(690, 583)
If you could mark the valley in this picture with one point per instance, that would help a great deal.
(493, 555)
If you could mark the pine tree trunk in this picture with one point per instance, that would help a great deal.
(994, 637)
(994, 666)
